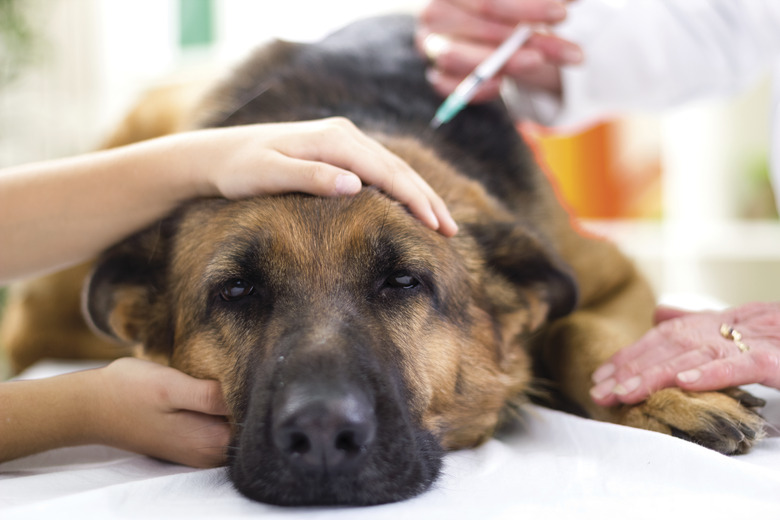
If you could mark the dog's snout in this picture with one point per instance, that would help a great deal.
(324, 432)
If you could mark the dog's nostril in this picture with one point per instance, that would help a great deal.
(299, 443)
(325, 433)
(346, 442)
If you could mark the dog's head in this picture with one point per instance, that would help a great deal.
(353, 344)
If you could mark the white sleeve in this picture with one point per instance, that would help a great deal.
(652, 54)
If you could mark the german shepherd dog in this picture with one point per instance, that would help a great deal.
(354, 345)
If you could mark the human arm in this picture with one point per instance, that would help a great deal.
(130, 404)
(638, 55)
(687, 350)
(60, 212)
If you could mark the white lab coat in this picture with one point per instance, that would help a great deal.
(655, 54)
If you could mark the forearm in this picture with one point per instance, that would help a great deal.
(61, 212)
(43, 414)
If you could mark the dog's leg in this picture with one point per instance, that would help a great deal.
(578, 344)
(43, 320)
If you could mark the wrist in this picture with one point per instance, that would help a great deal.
(81, 416)
(195, 157)
(164, 171)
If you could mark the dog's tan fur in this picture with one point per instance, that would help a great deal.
(459, 385)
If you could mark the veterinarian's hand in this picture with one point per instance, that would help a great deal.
(690, 351)
(156, 410)
(456, 35)
(325, 157)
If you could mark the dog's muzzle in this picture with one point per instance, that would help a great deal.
(331, 425)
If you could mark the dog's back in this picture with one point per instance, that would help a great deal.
(370, 73)
(436, 361)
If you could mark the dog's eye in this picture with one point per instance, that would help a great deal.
(236, 289)
(402, 280)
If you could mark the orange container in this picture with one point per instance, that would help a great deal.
(589, 175)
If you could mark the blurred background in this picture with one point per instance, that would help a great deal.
(685, 193)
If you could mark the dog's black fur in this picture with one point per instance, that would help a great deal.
(371, 73)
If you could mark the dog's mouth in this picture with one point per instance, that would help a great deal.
(326, 439)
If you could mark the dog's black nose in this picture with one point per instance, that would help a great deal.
(324, 431)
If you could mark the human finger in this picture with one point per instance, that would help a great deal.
(753, 353)
(407, 186)
(197, 395)
(443, 17)
(645, 382)
(486, 21)
(536, 64)
(664, 313)
(445, 84)
(672, 346)
(460, 58)
(321, 178)
(652, 345)
(291, 174)
(723, 373)
(668, 339)
(349, 148)
(553, 50)
(537, 11)
(193, 439)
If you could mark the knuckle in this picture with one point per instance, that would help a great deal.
(317, 175)
(485, 7)
(772, 375)
(724, 371)
(448, 61)
(767, 363)
(429, 14)
(627, 371)
(341, 123)
(213, 396)
(714, 351)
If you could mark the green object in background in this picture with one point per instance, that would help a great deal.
(196, 28)
(17, 40)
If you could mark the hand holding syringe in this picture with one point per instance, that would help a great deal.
(458, 40)
(466, 90)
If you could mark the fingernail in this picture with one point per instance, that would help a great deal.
(453, 226)
(556, 12)
(432, 220)
(603, 372)
(689, 376)
(348, 184)
(603, 389)
(628, 386)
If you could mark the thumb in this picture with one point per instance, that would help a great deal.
(198, 395)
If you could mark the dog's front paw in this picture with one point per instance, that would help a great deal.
(725, 421)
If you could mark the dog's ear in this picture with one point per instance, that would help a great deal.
(531, 266)
(124, 295)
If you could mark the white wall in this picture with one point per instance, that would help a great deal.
(98, 54)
